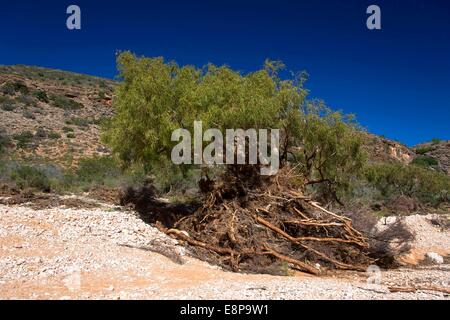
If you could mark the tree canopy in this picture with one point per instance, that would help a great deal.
(156, 97)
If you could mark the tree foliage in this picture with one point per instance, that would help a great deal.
(156, 97)
(392, 180)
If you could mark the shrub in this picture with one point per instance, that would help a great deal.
(80, 122)
(67, 129)
(393, 180)
(435, 141)
(425, 161)
(21, 87)
(26, 100)
(7, 103)
(41, 95)
(70, 135)
(53, 135)
(8, 106)
(41, 133)
(99, 121)
(97, 169)
(5, 141)
(29, 115)
(23, 139)
(31, 177)
(65, 103)
(101, 95)
(5, 99)
(10, 88)
(423, 150)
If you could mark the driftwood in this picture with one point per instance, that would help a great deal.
(420, 288)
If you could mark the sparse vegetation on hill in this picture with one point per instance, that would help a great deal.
(38, 101)
(44, 74)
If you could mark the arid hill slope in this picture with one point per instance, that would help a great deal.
(53, 115)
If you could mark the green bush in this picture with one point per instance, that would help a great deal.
(23, 139)
(11, 88)
(70, 135)
(65, 103)
(423, 150)
(26, 100)
(393, 180)
(97, 169)
(5, 99)
(8, 89)
(79, 122)
(41, 95)
(100, 121)
(8, 106)
(29, 115)
(100, 171)
(5, 141)
(67, 129)
(31, 177)
(101, 95)
(41, 133)
(425, 161)
(435, 141)
(53, 135)
(102, 84)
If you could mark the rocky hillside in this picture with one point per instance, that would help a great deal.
(51, 115)
(437, 152)
(381, 149)
(54, 116)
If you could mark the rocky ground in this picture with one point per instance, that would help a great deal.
(107, 252)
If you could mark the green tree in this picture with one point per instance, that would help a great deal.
(156, 97)
(329, 152)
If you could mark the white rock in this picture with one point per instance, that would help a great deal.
(434, 257)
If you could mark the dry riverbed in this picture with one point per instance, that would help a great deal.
(109, 253)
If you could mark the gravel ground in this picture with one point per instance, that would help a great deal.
(109, 253)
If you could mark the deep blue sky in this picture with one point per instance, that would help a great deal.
(397, 80)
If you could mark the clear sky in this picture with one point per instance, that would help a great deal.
(396, 80)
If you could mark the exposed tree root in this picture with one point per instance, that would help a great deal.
(254, 224)
(242, 220)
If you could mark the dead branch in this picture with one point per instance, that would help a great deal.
(301, 265)
(334, 261)
(179, 234)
